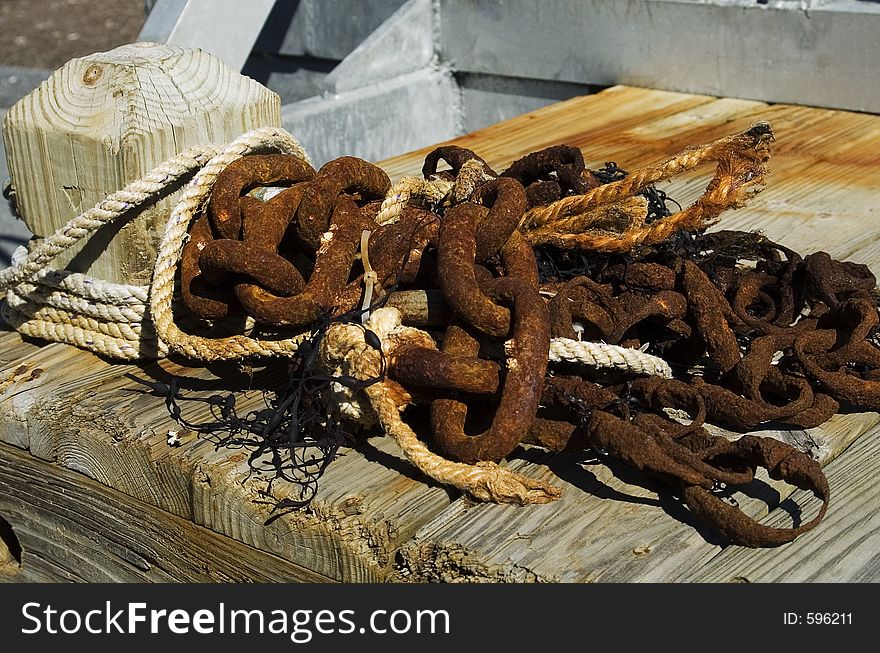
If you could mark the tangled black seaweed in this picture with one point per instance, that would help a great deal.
(555, 264)
(656, 198)
(295, 436)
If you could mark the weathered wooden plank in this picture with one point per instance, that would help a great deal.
(844, 548)
(610, 525)
(53, 513)
(369, 503)
(12, 347)
(87, 415)
(25, 381)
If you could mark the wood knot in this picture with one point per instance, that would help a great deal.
(92, 75)
(353, 505)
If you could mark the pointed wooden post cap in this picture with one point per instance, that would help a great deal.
(104, 120)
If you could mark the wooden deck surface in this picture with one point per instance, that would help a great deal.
(92, 491)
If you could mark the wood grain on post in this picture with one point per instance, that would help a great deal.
(105, 120)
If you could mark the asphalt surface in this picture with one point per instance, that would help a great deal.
(36, 38)
(47, 33)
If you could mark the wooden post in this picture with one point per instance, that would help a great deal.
(103, 121)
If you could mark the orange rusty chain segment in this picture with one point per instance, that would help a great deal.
(755, 333)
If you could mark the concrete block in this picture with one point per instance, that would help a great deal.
(376, 122)
(821, 54)
(331, 30)
(402, 44)
(487, 99)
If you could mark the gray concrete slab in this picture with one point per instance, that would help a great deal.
(379, 121)
(330, 30)
(820, 54)
(15, 83)
(402, 44)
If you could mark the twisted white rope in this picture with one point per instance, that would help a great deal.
(600, 354)
(190, 202)
(75, 284)
(74, 304)
(407, 188)
(91, 340)
(126, 330)
(134, 195)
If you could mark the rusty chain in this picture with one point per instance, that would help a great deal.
(756, 333)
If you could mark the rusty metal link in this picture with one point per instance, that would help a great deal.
(473, 233)
(396, 254)
(710, 311)
(781, 462)
(244, 174)
(839, 355)
(632, 309)
(525, 368)
(583, 300)
(686, 457)
(639, 275)
(323, 290)
(456, 157)
(832, 281)
(614, 434)
(448, 369)
(264, 225)
(506, 201)
(221, 259)
(552, 172)
(457, 255)
(345, 175)
(275, 241)
(403, 242)
(758, 304)
(612, 318)
(206, 301)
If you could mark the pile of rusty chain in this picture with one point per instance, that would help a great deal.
(547, 249)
